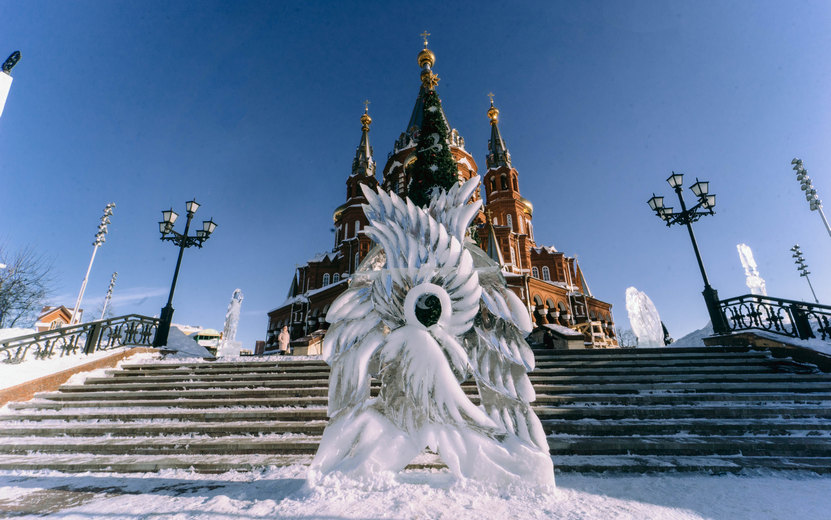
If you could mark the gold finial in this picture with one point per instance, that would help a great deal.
(426, 56)
(365, 119)
(493, 112)
(489, 213)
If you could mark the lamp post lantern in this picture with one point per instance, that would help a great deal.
(705, 205)
(802, 267)
(100, 238)
(183, 241)
(814, 204)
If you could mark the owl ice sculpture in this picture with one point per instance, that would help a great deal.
(424, 314)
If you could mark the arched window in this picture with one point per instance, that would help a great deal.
(513, 256)
(493, 184)
(357, 260)
(336, 278)
(509, 221)
(325, 279)
(515, 185)
(537, 301)
(504, 182)
(535, 272)
(495, 221)
(530, 229)
(546, 274)
(357, 227)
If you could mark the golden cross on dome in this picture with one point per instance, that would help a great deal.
(424, 35)
(489, 213)
(366, 105)
(490, 95)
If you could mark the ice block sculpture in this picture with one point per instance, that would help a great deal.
(425, 312)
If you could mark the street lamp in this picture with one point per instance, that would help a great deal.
(183, 241)
(810, 193)
(705, 205)
(100, 238)
(802, 268)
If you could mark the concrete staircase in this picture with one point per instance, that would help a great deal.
(695, 409)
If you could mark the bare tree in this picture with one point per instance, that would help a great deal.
(25, 279)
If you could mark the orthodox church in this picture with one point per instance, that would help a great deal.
(549, 283)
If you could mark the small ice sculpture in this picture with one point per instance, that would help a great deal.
(427, 311)
(229, 346)
(644, 319)
(754, 282)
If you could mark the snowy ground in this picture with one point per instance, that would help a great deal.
(282, 493)
(31, 368)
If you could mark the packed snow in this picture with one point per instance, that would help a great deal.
(32, 368)
(283, 493)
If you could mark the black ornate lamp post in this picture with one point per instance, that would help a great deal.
(706, 203)
(183, 241)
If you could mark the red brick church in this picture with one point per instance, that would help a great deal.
(551, 284)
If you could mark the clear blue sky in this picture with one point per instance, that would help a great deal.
(253, 108)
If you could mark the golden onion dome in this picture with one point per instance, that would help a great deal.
(365, 121)
(427, 57)
(527, 206)
(493, 114)
(339, 212)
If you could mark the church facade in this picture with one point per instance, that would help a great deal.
(549, 283)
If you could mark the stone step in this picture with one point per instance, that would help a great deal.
(206, 378)
(279, 381)
(641, 351)
(682, 412)
(300, 393)
(227, 445)
(590, 356)
(685, 387)
(103, 429)
(201, 463)
(699, 464)
(704, 427)
(176, 403)
(211, 415)
(737, 399)
(229, 371)
(282, 364)
(757, 445)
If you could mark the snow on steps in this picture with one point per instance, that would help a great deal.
(686, 409)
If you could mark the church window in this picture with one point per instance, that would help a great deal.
(357, 260)
(516, 188)
(336, 278)
(546, 274)
(325, 279)
(357, 227)
(513, 257)
(509, 221)
(493, 184)
(495, 221)
(530, 229)
(535, 272)
(504, 182)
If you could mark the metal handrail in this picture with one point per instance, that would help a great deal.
(131, 329)
(792, 318)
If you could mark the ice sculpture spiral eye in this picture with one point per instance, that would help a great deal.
(427, 304)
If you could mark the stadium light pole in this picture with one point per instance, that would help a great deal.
(802, 267)
(706, 203)
(810, 192)
(100, 238)
(183, 241)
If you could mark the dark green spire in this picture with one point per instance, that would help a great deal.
(434, 166)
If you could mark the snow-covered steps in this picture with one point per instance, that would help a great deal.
(705, 409)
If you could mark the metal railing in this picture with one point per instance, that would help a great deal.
(790, 318)
(86, 338)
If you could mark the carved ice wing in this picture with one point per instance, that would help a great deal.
(452, 209)
(349, 346)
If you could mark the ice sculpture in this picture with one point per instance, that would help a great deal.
(425, 312)
(644, 319)
(754, 282)
(229, 346)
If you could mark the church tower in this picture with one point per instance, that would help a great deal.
(508, 212)
(397, 171)
(349, 218)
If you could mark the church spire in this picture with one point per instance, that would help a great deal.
(364, 164)
(498, 153)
